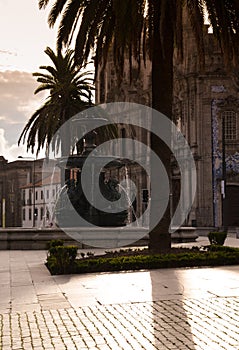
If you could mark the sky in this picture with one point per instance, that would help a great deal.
(25, 35)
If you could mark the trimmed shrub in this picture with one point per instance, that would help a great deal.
(61, 259)
(55, 243)
(138, 262)
(220, 248)
(217, 237)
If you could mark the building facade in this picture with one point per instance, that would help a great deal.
(14, 175)
(39, 200)
(205, 109)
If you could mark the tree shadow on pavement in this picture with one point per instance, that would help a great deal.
(170, 324)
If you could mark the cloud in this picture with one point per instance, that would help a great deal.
(11, 152)
(18, 103)
(8, 52)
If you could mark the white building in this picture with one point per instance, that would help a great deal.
(39, 202)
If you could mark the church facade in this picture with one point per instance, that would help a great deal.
(206, 105)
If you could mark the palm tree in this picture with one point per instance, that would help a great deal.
(135, 29)
(70, 92)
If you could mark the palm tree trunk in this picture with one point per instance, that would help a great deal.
(162, 94)
(65, 145)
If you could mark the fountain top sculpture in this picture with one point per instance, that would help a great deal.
(85, 126)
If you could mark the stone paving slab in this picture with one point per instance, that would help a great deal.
(183, 309)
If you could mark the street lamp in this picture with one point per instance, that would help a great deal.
(224, 176)
(33, 187)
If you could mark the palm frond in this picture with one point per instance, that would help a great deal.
(55, 12)
(126, 28)
(42, 4)
(69, 21)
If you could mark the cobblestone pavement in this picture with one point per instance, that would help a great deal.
(175, 309)
(166, 324)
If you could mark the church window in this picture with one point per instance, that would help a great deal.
(230, 122)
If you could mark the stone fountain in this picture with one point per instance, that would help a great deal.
(73, 208)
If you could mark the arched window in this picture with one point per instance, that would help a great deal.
(230, 123)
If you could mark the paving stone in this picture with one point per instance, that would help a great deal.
(35, 317)
(124, 326)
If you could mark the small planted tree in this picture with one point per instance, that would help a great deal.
(217, 237)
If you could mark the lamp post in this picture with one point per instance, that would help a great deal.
(33, 187)
(3, 213)
(224, 177)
